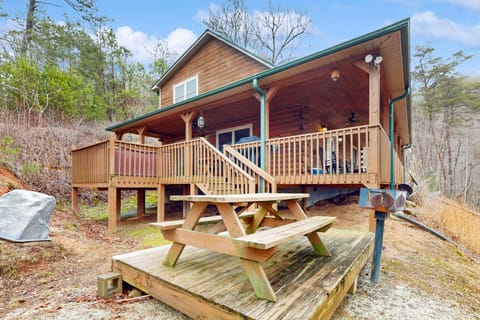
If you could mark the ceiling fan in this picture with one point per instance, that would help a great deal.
(351, 120)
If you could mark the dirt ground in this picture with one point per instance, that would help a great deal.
(422, 277)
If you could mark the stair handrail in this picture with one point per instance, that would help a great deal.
(230, 151)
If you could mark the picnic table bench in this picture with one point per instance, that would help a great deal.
(245, 240)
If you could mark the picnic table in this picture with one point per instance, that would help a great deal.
(244, 240)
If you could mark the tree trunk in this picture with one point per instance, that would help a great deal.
(29, 23)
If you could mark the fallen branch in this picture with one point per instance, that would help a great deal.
(135, 299)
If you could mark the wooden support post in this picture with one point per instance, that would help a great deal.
(371, 221)
(374, 94)
(140, 203)
(141, 133)
(188, 119)
(161, 203)
(114, 208)
(75, 200)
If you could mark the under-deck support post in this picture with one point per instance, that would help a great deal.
(140, 203)
(114, 208)
(161, 203)
(75, 200)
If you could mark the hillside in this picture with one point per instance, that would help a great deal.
(422, 276)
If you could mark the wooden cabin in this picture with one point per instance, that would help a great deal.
(230, 122)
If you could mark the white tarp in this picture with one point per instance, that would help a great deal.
(25, 215)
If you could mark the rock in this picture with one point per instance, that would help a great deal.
(25, 215)
(135, 293)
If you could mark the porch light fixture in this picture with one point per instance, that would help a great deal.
(335, 74)
(375, 59)
(323, 128)
(201, 120)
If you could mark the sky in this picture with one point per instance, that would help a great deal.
(447, 25)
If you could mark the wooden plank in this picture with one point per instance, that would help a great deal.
(306, 286)
(234, 198)
(172, 224)
(216, 243)
(192, 305)
(275, 236)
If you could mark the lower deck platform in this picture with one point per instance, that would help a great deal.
(209, 285)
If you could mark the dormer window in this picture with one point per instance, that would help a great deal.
(185, 90)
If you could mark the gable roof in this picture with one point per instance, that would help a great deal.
(374, 38)
(196, 46)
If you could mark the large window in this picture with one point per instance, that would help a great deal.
(232, 135)
(185, 90)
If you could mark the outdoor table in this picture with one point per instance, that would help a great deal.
(252, 247)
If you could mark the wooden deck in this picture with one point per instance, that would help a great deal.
(208, 285)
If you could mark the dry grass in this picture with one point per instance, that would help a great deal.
(457, 222)
(40, 150)
(462, 225)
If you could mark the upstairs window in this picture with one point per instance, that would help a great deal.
(185, 90)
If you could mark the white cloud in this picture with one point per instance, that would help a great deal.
(427, 23)
(143, 46)
(180, 40)
(140, 44)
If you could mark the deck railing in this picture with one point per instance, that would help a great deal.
(90, 165)
(197, 161)
(343, 156)
(268, 185)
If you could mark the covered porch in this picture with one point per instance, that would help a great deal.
(321, 120)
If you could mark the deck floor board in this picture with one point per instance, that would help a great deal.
(307, 285)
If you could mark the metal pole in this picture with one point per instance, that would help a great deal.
(377, 250)
(392, 137)
(263, 130)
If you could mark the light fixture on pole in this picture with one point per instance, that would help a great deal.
(201, 120)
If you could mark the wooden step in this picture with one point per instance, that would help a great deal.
(273, 237)
(167, 225)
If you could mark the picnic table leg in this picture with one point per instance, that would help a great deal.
(313, 237)
(258, 279)
(190, 222)
(255, 272)
(257, 220)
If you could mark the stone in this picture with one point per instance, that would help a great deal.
(108, 284)
(25, 216)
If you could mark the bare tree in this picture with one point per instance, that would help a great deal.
(277, 31)
(273, 33)
(232, 20)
